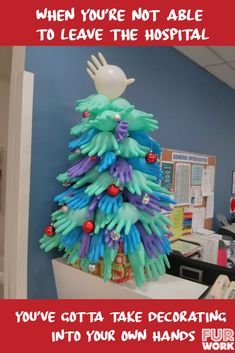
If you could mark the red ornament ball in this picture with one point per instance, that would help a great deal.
(113, 190)
(88, 226)
(151, 157)
(93, 158)
(86, 114)
(49, 230)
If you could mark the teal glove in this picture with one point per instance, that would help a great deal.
(85, 264)
(49, 243)
(104, 121)
(63, 177)
(89, 177)
(101, 220)
(155, 266)
(100, 184)
(72, 254)
(142, 182)
(126, 216)
(137, 261)
(138, 120)
(70, 220)
(80, 128)
(154, 224)
(109, 256)
(119, 104)
(94, 104)
(129, 148)
(101, 143)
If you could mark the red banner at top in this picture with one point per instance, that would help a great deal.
(127, 23)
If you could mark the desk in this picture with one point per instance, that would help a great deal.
(74, 283)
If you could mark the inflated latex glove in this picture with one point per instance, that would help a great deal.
(141, 182)
(94, 104)
(126, 216)
(62, 197)
(89, 177)
(107, 160)
(79, 200)
(131, 241)
(138, 120)
(82, 166)
(121, 169)
(129, 148)
(64, 178)
(163, 195)
(73, 157)
(104, 121)
(49, 243)
(93, 206)
(101, 143)
(137, 261)
(118, 104)
(109, 256)
(96, 249)
(109, 241)
(68, 221)
(144, 139)
(100, 184)
(143, 166)
(101, 220)
(109, 204)
(154, 267)
(72, 254)
(85, 245)
(137, 201)
(85, 138)
(156, 223)
(151, 242)
(71, 238)
(121, 130)
(80, 128)
(165, 244)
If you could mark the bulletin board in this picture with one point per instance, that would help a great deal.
(191, 178)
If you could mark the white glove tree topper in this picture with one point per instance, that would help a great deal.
(109, 80)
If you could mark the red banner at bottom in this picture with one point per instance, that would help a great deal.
(117, 326)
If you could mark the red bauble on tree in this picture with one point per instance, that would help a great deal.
(151, 157)
(93, 158)
(113, 190)
(49, 230)
(86, 114)
(88, 226)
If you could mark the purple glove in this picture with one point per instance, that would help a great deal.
(109, 241)
(85, 244)
(121, 130)
(82, 166)
(151, 243)
(145, 202)
(121, 169)
(93, 205)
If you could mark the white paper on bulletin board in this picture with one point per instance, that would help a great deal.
(210, 206)
(182, 184)
(198, 218)
(206, 182)
(196, 196)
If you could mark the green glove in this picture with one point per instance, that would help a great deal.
(49, 243)
(63, 177)
(89, 177)
(94, 104)
(119, 104)
(109, 256)
(104, 121)
(154, 224)
(138, 120)
(101, 219)
(124, 218)
(142, 182)
(80, 128)
(72, 254)
(85, 264)
(137, 261)
(154, 267)
(74, 157)
(100, 184)
(101, 143)
(129, 148)
(70, 220)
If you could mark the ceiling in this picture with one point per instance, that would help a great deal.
(219, 61)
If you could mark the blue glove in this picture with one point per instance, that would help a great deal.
(144, 139)
(107, 160)
(71, 238)
(96, 249)
(131, 241)
(165, 243)
(79, 200)
(163, 197)
(109, 204)
(141, 165)
(85, 138)
(61, 198)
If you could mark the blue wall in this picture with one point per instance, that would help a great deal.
(195, 110)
